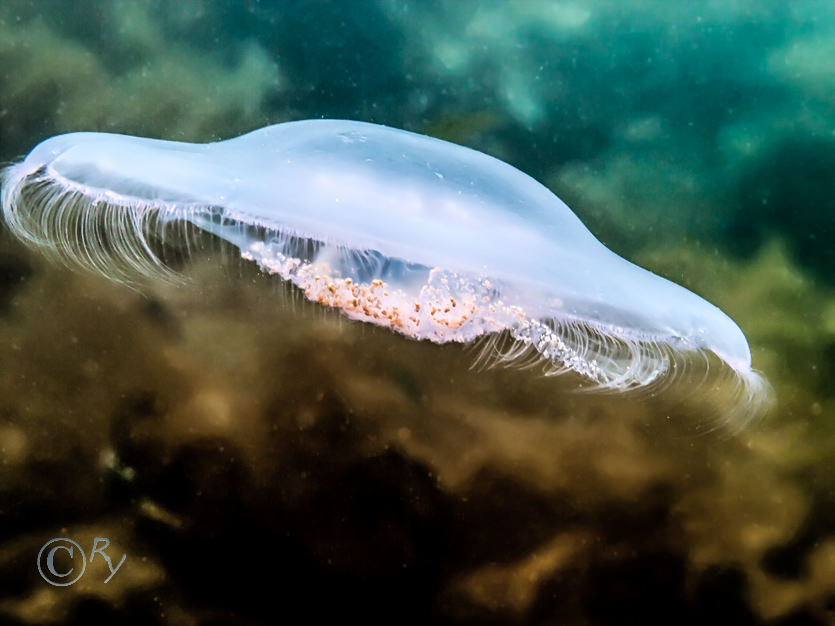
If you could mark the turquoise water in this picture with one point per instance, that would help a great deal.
(210, 427)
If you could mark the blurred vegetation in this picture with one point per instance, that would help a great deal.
(380, 474)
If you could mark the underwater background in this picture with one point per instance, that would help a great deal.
(259, 460)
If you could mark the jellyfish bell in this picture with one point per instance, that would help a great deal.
(431, 239)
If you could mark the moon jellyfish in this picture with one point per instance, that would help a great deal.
(430, 239)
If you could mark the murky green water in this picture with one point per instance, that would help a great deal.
(258, 459)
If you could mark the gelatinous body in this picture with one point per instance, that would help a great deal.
(431, 239)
